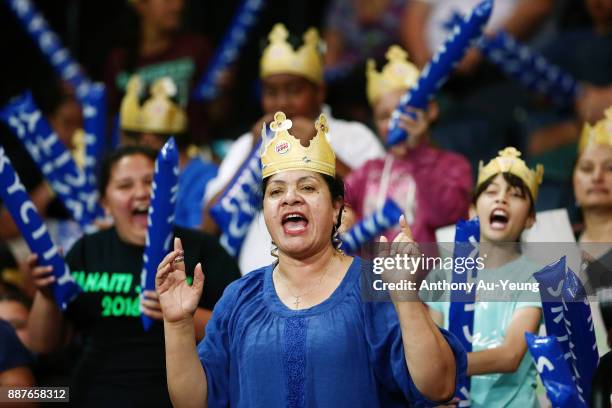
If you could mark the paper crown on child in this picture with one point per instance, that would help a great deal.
(157, 114)
(279, 57)
(285, 152)
(599, 134)
(509, 161)
(397, 74)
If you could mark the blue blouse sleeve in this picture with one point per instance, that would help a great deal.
(384, 339)
(214, 349)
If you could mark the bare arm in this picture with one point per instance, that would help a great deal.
(429, 358)
(187, 383)
(437, 317)
(424, 344)
(47, 326)
(414, 21)
(527, 16)
(507, 357)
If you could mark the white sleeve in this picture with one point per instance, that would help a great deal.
(237, 154)
(354, 143)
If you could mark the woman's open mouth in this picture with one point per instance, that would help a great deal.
(294, 223)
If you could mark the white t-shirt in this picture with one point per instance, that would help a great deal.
(442, 11)
(353, 143)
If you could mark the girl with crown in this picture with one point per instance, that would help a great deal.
(297, 333)
(431, 186)
(501, 372)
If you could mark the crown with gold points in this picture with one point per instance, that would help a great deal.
(285, 152)
(279, 57)
(158, 114)
(397, 74)
(599, 134)
(509, 161)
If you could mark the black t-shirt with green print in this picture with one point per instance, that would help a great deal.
(122, 364)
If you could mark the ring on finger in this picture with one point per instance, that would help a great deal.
(179, 259)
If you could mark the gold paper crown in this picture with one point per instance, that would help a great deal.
(398, 74)
(600, 134)
(285, 152)
(509, 161)
(158, 114)
(279, 57)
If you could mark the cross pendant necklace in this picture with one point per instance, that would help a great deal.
(298, 298)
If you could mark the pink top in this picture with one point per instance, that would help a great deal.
(431, 186)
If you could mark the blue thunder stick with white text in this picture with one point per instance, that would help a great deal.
(554, 370)
(53, 159)
(94, 125)
(579, 324)
(530, 68)
(440, 67)
(160, 218)
(229, 49)
(239, 204)
(34, 231)
(551, 279)
(371, 227)
(461, 309)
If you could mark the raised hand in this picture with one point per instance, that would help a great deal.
(416, 125)
(177, 299)
(402, 247)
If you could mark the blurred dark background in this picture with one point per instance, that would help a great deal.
(90, 29)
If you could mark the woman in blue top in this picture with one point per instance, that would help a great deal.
(297, 333)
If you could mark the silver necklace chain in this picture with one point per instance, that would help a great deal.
(285, 282)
